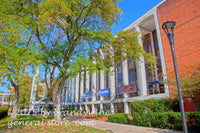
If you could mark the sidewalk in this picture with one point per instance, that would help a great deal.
(118, 128)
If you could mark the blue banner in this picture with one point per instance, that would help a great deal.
(103, 92)
(153, 82)
(68, 99)
(88, 95)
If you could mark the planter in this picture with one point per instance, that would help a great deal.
(130, 119)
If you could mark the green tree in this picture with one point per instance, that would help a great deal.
(25, 92)
(16, 48)
(69, 31)
(67, 28)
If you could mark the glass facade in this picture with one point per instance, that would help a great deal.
(154, 78)
(133, 80)
(132, 77)
(98, 77)
(106, 84)
(119, 80)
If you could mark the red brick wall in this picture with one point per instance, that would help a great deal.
(186, 13)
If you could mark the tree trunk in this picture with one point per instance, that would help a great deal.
(14, 111)
(57, 113)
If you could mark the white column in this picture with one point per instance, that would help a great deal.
(141, 72)
(93, 109)
(3, 99)
(93, 91)
(87, 88)
(125, 82)
(112, 87)
(77, 88)
(70, 89)
(94, 86)
(87, 81)
(162, 55)
(77, 91)
(80, 107)
(81, 87)
(112, 81)
(101, 87)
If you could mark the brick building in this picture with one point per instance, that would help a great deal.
(100, 91)
(186, 13)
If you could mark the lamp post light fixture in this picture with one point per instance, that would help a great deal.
(168, 27)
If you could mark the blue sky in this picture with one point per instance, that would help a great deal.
(132, 10)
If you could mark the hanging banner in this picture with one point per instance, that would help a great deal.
(63, 99)
(124, 89)
(88, 95)
(153, 82)
(103, 92)
(120, 90)
(68, 99)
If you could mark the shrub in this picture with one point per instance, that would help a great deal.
(168, 120)
(142, 120)
(160, 120)
(153, 105)
(196, 116)
(171, 105)
(3, 112)
(119, 118)
(160, 113)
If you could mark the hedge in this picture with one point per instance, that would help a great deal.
(194, 116)
(162, 113)
(167, 120)
(121, 118)
(3, 112)
(153, 105)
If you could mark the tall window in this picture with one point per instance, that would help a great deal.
(119, 75)
(132, 77)
(98, 77)
(106, 79)
(90, 85)
(149, 76)
(154, 80)
(106, 84)
(73, 92)
(159, 75)
(119, 80)
(84, 82)
(148, 49)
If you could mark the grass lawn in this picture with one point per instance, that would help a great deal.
(15, 126)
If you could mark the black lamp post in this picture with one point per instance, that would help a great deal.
(168, 27)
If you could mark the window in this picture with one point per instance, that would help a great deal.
(98, 77)
(132, 77)
(106, 84)
(84, 82)
(159, 75)
(149, 76)
(154, 80)
(90, 85)
(119, 80)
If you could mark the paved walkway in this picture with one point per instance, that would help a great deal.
(117, 128)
